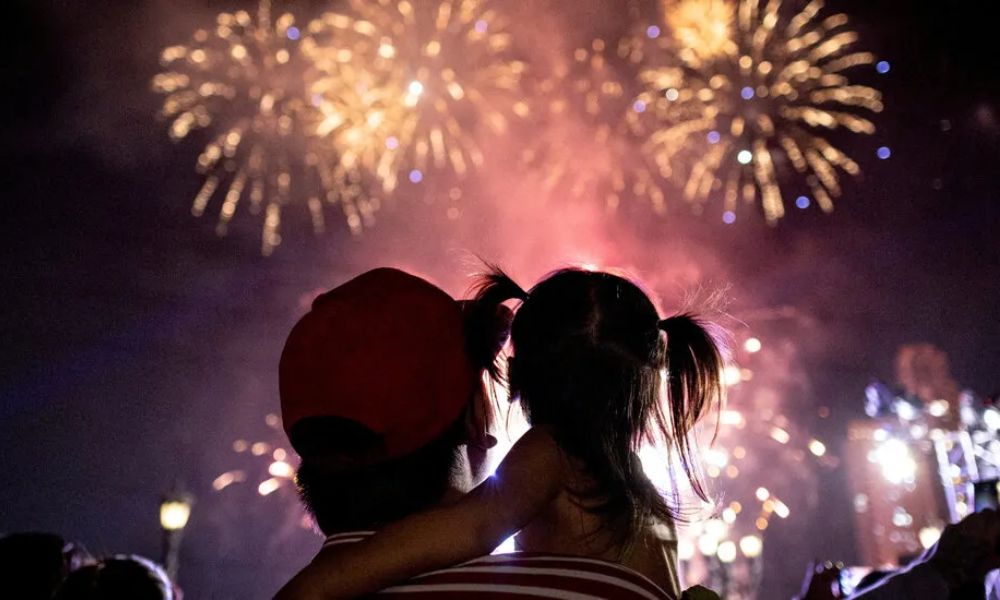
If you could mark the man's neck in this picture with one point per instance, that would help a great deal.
(462, 478)
(461, 481)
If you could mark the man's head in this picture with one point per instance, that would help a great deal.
(379, 395)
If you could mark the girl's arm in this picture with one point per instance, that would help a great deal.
(528, 479)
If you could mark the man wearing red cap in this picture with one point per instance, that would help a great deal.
(390, 415)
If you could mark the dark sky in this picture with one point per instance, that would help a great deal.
(137, 345)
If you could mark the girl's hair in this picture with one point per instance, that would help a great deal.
(589, 351)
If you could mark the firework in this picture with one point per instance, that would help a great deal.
(358, 108)
(602, 159)
(261, 485)
(275, 461)
(243, 80)
(434, 72)
(742, 93)
(704, 26)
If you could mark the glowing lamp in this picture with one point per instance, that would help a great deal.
(174, 513)
(175, 510)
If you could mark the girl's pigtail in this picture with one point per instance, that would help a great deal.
(694, 382)
(487, 320)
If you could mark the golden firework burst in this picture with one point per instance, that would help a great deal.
(704, 26)
(436, 71)
(602, 159)
(243, 79)
(734, 111)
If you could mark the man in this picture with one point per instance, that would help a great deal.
(390, 414)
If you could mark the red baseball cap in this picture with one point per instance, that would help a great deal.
(386, 349)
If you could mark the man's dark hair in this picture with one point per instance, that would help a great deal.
(347, 487)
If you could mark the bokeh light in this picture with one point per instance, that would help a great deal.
(896, 461)
(751, 546)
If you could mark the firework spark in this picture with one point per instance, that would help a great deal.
(704, 26)
(277, 460)
(264, 470)
(243, 78)
(358, 107)
(436, 70)
(589, 89)
(741, 92)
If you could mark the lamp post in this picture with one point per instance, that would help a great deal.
(752, 547)
(175, 509)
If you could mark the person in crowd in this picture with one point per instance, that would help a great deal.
(383, 395)
(955, 568)
(590, 357)
(120, 577)
(32, 564)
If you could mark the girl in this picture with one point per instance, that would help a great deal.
(588, 356)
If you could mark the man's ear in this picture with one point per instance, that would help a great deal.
(479, 417)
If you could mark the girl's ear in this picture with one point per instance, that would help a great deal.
(479, 418)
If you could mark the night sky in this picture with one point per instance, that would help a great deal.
(137, 345)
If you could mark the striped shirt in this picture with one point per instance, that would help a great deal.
(523, 575)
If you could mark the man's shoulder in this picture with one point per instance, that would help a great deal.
(522, 575)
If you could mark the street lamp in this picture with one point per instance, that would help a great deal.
(175, 509)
